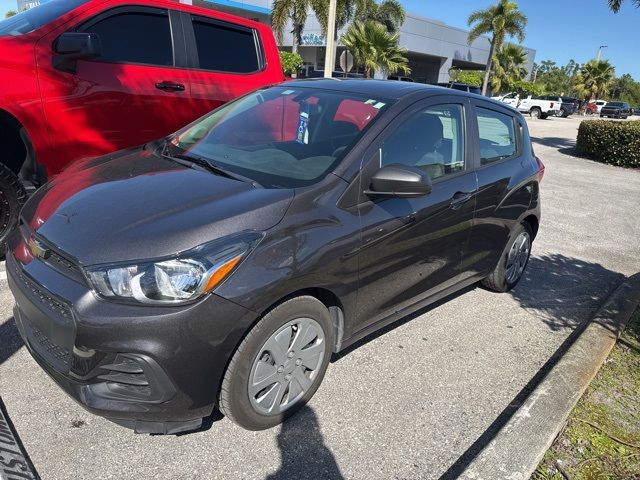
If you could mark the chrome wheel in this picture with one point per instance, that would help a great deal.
(286, 366)
(518, 257)
(535, 113)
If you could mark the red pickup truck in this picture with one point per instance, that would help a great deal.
(83, 78)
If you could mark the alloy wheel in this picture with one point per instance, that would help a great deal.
(518, 257)
(286, 366)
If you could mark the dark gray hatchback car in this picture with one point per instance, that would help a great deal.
(222, 266)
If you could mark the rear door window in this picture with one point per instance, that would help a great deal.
(497, 133)
(225, 47)
(140, 36)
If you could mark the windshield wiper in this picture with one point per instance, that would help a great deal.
(191, 160)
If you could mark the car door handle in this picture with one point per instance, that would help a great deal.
(459, 199)
(170, 86)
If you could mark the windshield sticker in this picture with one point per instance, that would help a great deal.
(379, 105)
(302, 133)
(288, 92)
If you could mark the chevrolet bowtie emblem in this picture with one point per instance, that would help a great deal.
(38, 249)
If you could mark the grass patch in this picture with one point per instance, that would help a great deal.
(601, 439)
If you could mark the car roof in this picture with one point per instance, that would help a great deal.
(390, 89)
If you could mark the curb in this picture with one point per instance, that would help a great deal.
(518, 447)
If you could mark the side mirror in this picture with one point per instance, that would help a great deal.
(397, 180)
(71, 47)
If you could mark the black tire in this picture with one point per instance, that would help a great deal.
(497, 280)
(233, 400)
(12, 197)
(544, 116)
(535, 112)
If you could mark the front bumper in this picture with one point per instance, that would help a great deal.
(153, 369)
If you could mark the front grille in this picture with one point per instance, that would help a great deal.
(49, 348)
(43, 297)
(64, 266)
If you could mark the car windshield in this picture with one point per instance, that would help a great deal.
(34, 18)
(280, 137)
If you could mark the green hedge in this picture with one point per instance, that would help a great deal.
(617, 143)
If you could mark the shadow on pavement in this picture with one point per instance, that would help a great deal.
(563, 145)
(398, 323)
(565, 292)
(10, 341)
(303, 453)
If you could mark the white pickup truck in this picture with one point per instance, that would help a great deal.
(534, 106)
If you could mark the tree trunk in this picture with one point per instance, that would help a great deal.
(487, 72)
(297, 36)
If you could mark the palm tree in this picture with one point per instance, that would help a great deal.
(509, 67)
(282, 11)
(594, 79)
(616, 4)
(499, 20)
(373, 47)
(390, 13)
(345, 11)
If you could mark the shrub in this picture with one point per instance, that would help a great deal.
(468, 77)
(291, 62)
(617, 143)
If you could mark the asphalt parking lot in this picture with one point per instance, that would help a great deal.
(418, 401)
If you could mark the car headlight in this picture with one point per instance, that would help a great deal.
(175, 280)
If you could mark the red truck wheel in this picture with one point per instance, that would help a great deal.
(12, 197)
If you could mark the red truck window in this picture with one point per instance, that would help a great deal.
(134, 37)
(239, 54)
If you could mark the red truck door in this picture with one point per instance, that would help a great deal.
(134, 92)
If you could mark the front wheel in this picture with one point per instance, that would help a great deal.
(279, 365)
(12, 197)
(513, 261)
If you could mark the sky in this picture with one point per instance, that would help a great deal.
(558, 30)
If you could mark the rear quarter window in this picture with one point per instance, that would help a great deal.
(497, 133)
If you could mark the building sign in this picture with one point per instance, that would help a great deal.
(313, 39)
(27, 4)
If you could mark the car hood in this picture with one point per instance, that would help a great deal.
(135, 205)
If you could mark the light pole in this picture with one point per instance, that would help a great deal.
(600, 51)
(329, 57)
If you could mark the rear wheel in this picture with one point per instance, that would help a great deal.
(513, 262)
(279, 365)
(535, 112)
(12, 197)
